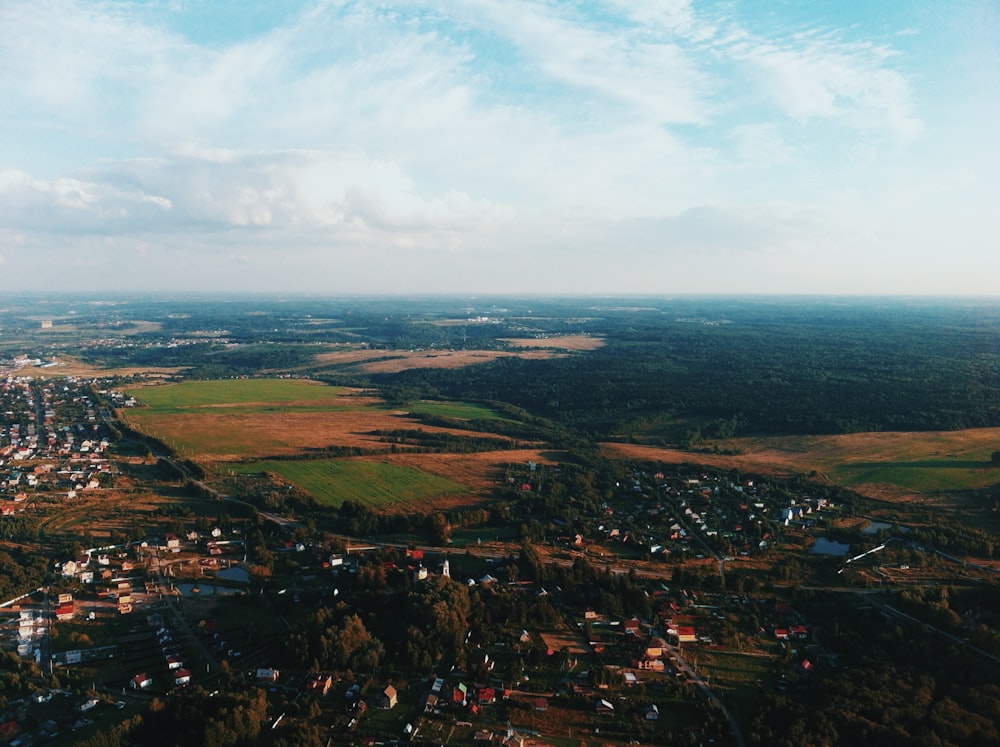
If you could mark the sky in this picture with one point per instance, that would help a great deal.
(500, 146)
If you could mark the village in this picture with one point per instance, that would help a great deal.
(663, 607)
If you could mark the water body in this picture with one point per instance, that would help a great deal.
(823, 546)
(235, 573)
(875, 527)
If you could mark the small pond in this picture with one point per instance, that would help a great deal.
(235, 573)
(823, 546)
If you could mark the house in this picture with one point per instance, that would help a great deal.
(64, 611)
(685, 634)
(651, 712)
(655, 648)
(141, 682)
(85, 705)
(320, 684)
(387, 698)
(181, 677)
(540, 704)
(605, 707)
(460, 693)
(486, 696)
(650, 665)
(430, 703)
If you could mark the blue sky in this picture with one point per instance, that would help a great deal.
(508, 146)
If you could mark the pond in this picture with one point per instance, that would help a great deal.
(823, 546)
(875, 527)
(235, 573)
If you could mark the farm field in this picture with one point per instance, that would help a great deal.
(558, 342)
(457, 410)
(242, 425)
(228, 392)
(369, 483)
(66, 365)
(914, 462)
(237, 420)
(393, 361)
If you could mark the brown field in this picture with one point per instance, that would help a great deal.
(68, 366)
(573, 641)
(394, 361)
(888, 466)
(239, 434)
(565, 342)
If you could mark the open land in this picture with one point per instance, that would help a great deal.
(914, 462)
(252, 421)
(394, 361)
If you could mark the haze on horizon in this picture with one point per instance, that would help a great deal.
(488, 146)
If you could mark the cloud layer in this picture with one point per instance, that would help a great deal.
(487, 146)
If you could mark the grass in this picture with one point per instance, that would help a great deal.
(195, 394)
(922, 477)
(737, 678)
(914, 461)
(372, 484)
(456, 410)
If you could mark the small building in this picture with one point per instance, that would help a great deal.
(267, 675)
(651, 712)
(387, 698)
(141, 682)
(320, 684)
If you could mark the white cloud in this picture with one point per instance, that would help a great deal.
(816, 76)
(461, 135)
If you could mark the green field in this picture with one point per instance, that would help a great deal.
(923, 477)
(736, 678)
(456, 410)
(372, 484)
(196, 394)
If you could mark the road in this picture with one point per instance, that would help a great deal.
(692, 674)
